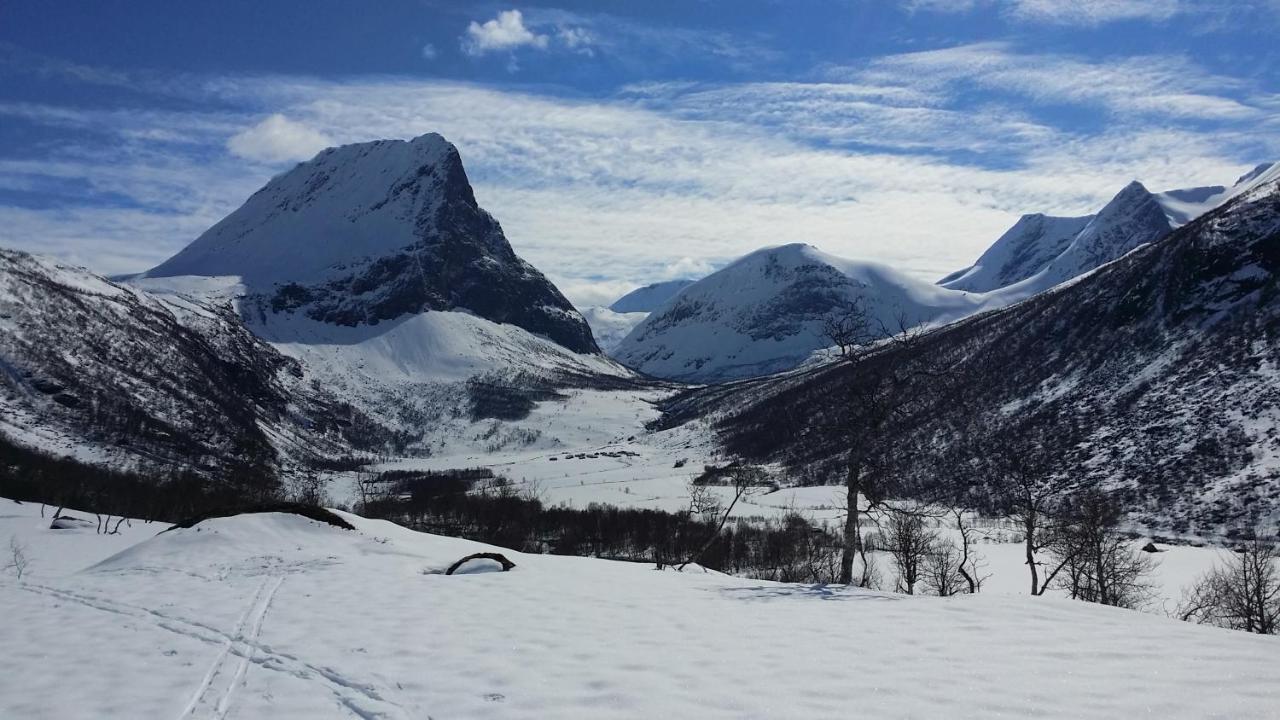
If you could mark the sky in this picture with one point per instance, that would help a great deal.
(623, 143)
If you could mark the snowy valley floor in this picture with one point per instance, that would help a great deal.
(278, 616)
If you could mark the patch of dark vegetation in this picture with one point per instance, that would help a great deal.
(34, 476)
(311, 512)
(493, 511)
(497, 397)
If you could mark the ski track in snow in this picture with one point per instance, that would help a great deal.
(369, 705)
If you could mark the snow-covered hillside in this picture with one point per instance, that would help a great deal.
(1153, 378)
(279, 616)
(110, 374)
(764, 313)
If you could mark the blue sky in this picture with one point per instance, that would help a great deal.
(621, 143)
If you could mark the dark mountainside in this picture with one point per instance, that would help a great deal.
(148, 382)
(1157, 377)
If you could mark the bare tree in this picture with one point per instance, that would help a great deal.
(1020, 468)
(951, 567)
(308, 488)
(742, 480)
(1101, 565)
(18, 560)
(942, 569)
(1242, 594)
(876, 393)
(910, 544)
(969, 565)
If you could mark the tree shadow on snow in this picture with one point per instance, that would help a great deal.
(811, 592)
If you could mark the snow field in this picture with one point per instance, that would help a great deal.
(279, 616)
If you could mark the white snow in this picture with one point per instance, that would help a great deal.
(278, 616)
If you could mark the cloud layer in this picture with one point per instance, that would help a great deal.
(916, 159)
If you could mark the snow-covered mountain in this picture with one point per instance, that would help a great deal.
(374, 268)
(373, 232)
(1041, 251)
(650, 297)
(359, 302)
(1154, 377)
(764, 313)
(613, 323)
(1030, 245)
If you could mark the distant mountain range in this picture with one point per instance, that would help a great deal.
(763, 314)
(364, 304)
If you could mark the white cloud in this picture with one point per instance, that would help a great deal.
(1072, 12)
(505, 32)
(1166, 86)
(1095, 12)
(278, 139)
(577, 39)
(429, 52)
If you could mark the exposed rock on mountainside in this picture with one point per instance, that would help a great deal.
(106, 372)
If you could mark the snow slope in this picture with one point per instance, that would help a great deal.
(650, 297)
(278, 616)
(764, 313)
(1021, 252)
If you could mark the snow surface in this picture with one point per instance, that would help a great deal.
(279, 616)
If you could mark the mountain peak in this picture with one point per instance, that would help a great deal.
(373, 231)
(1254, 173)
(764, 313)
